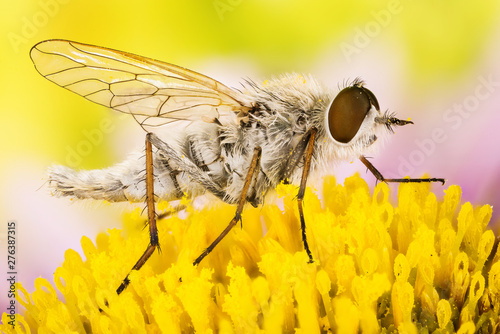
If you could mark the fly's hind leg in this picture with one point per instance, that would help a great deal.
(153, 232)
(252, 170)
(187, 166)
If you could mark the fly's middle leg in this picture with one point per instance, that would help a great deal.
(252, 171)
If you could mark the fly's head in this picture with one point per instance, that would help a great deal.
(354, 119)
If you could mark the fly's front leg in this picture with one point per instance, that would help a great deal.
(153, 232)
(253, 169)
(379, 176)
(302, 189)
(305, 146)
(295, 156)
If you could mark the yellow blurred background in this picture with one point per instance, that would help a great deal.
(433, 61)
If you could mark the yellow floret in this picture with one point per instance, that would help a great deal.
(418, 265)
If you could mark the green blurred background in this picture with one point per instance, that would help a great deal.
(418, 57)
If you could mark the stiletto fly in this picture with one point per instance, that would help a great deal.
(234, 144)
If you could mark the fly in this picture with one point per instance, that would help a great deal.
(235, 144)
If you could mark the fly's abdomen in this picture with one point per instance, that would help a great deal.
(125, 181)
(87, 184)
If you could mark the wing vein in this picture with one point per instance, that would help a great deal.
(154, 92)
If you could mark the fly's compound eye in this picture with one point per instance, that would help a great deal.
(348, 110)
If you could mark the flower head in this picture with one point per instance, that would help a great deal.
(422, 264)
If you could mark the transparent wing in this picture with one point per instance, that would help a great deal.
(154, 92)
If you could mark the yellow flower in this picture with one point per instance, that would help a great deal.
(420, 265)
